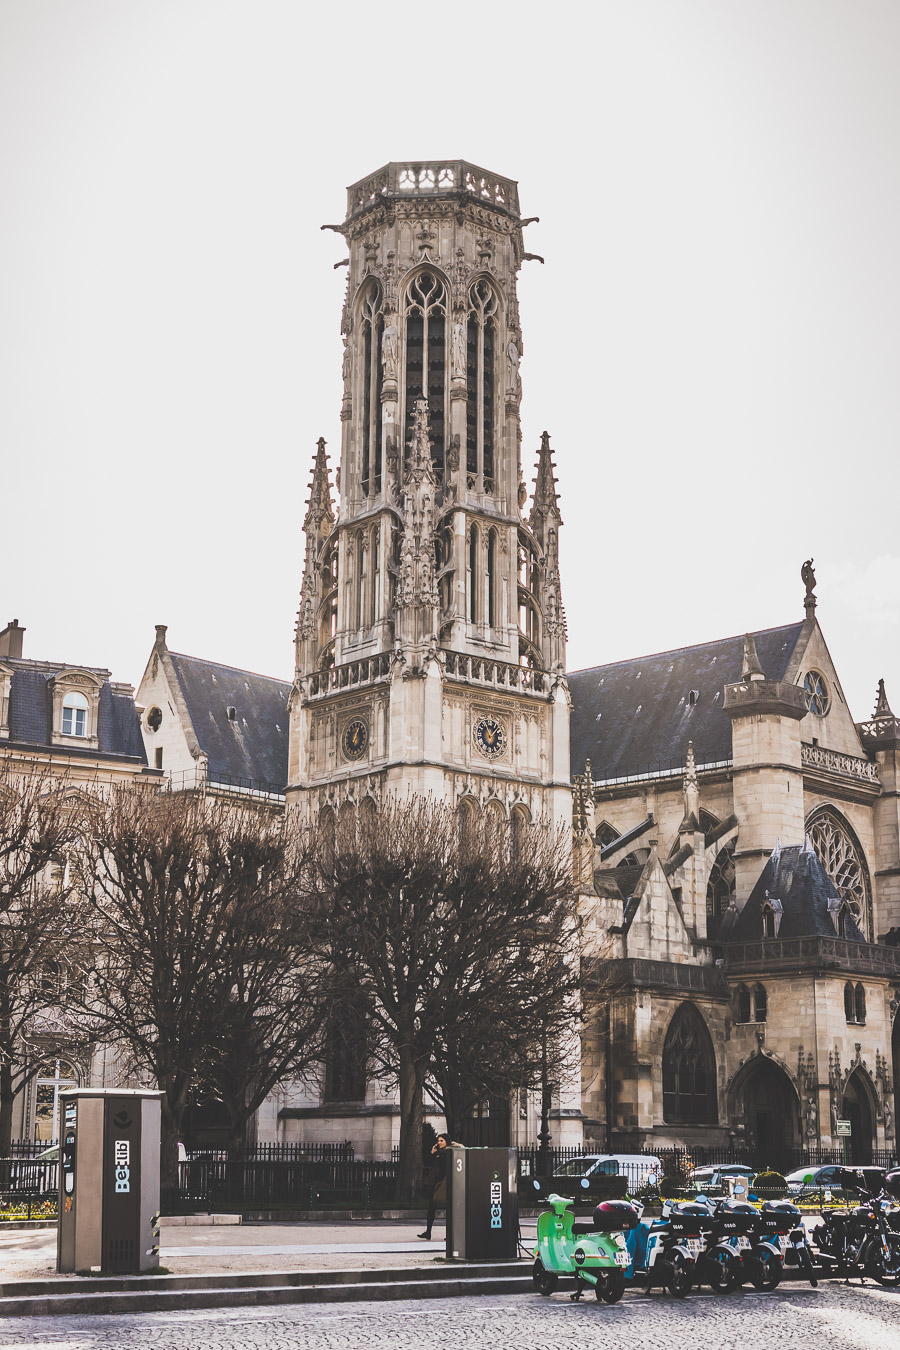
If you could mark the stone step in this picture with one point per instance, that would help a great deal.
(261, 1288)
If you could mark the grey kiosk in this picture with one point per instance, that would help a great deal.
(482, 1204)
(108, 1180)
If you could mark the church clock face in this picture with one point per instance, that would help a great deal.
(489, 735)
(355, 738)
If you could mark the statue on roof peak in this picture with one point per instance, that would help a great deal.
(808, 577)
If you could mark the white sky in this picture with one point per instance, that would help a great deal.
(713, 342)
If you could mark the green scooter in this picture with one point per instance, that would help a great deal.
(594, 1253)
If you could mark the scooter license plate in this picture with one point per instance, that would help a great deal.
(743, 1243)
(694, 1245)
(784, 1241)
(623, 1258)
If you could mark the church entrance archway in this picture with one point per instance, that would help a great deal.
(765, 1102)
(857, 1108)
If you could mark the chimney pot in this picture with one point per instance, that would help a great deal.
(11, 640)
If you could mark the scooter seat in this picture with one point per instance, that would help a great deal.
(583, 1230)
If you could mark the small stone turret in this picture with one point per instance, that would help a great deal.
(768, 780)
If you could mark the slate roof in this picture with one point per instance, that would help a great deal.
(31, 714)
(254, 746)
(635, 716)
(796, 877)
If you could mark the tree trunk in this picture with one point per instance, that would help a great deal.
(412, 1116)
(171, 1134)
(7, 1097)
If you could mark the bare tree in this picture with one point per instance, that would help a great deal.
(179, 885)
(41, 922)
(273, 1027)
(424, 922)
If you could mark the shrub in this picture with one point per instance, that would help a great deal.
(672, 1184)
(770, 1181)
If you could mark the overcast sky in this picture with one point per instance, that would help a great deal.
(713, 341)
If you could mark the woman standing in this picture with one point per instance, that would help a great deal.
(437, 1180)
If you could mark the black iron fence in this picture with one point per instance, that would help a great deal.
(304, 1183)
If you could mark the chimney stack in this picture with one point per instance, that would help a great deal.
(11, 641)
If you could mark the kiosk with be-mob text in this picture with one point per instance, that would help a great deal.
(108, 1180)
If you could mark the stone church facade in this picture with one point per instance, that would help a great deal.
(736, 836)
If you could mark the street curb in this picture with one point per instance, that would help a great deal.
(229, 1291)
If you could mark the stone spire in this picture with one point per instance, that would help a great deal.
(316, 526)
(320, 505)
(882, 707)
(545, 520)
(691, 789)
(545, 506)
(751, 669)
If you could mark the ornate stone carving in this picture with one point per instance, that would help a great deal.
(833, 761)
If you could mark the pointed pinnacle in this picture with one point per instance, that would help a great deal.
(420, 441)
(752, 670)
(319, 506)
(882, 707)
(546, 498)
(690, 765)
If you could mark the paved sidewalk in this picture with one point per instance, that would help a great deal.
(212, 1248)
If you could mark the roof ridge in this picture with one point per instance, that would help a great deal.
(44, 664)
(238, 670)
(691, 646)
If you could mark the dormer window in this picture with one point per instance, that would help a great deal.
(75, 715)
(772, 911)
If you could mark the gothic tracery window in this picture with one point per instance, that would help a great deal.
(689, 1070)
(842, 858)
(426, 358)
(372, 325)
(481, 332)
(816, 692)
(719, 887)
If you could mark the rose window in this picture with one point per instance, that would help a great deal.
(816, 691)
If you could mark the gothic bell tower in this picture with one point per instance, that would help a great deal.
(430, 642)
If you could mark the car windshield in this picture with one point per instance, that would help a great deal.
(582, 1167)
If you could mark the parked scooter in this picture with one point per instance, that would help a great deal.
(860, 1240)
(768, 1239)
(725, 1235)
(781, 1242)
(674, 1242)
(593, 1253)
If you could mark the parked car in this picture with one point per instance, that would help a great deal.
(805, 1179)
(641, 1169)
(714, 1178)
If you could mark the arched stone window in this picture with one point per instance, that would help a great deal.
(493, 606)
(719, 888)
(839, 852)
(468, 813)
(372, 328)
(481, 344)
(520, 819)
(760, 1003)
(743, 1011)
(859, 1003)
(849, 1002)
(495, 818)
(425, 318)
(689, 1070)
(475, 574)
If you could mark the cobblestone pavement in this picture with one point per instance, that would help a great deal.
(833, 1317)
